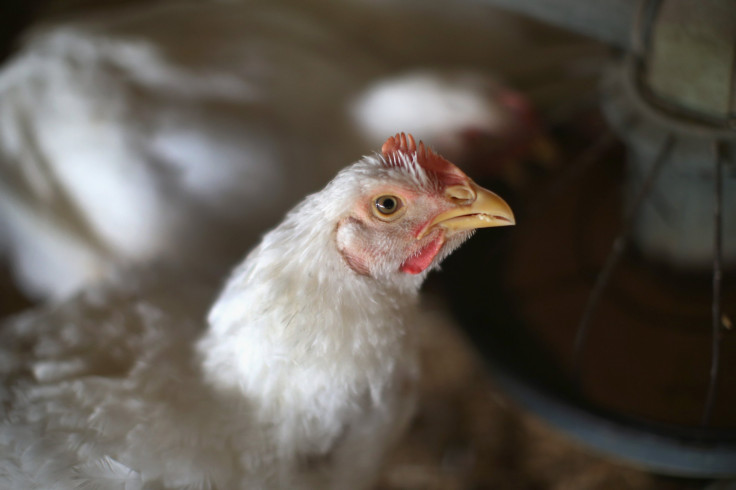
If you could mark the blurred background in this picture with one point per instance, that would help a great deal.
(591, 346)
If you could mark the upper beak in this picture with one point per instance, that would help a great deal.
(477, 208)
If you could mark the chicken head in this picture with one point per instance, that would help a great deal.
(415, 209)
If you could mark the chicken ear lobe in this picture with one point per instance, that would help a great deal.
(355, 262)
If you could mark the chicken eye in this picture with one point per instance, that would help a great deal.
(386, 207)
(387, 204)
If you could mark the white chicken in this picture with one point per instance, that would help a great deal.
(302, 378)
(179, 132)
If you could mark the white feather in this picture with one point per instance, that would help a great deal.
(106, 473)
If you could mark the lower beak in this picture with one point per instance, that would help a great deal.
(486, 210)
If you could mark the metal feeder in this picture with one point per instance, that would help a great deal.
(618, 293)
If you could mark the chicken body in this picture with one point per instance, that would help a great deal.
(123, 141)
(133, 395)
(302, 378)
(179, 132)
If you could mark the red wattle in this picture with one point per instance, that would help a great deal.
(419, 262)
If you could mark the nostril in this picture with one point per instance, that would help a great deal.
(460, 193)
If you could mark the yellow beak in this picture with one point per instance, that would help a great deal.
(477, 208)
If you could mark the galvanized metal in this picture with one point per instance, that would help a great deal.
(610, 21)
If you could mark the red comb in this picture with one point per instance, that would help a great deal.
(400, 142)
(426, 158)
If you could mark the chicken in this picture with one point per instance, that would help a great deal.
(123, 141)
(468, 114)
(303, 376)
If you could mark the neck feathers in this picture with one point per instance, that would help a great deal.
(294, 303)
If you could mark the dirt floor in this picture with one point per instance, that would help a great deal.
(469, 435)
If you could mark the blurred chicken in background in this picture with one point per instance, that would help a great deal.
(178, 131)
